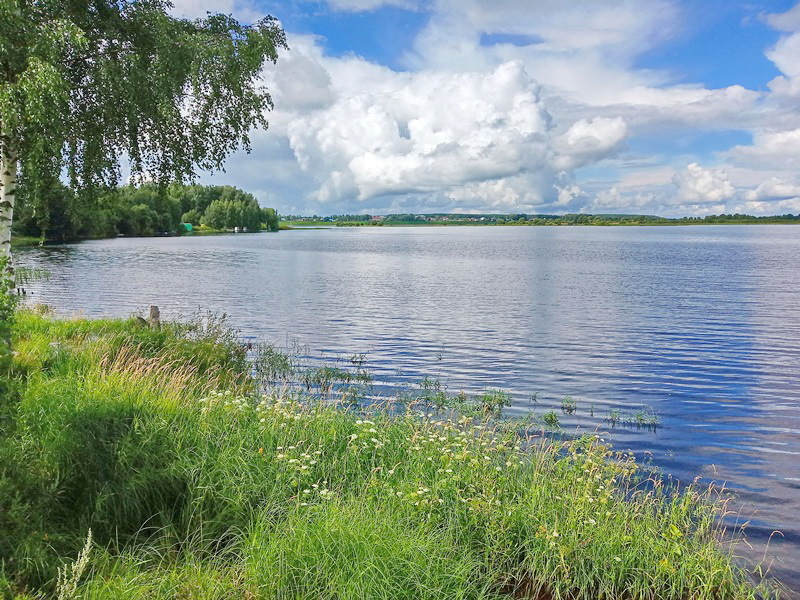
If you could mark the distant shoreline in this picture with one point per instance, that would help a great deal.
(294, 225)
(27, 241)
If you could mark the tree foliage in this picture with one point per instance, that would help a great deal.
(84, 84)
(143, 210)
(221, 207)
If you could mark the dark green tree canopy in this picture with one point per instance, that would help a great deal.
(143, 210)
(85, 85)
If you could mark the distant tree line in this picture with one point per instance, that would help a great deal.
(543, 219)
(352, 218)
(222, 207)
(329, 219)
(143, 210)
(621, 219)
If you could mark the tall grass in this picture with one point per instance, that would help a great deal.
(195, 486)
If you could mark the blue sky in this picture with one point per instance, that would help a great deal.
(379, 35)
(660, 106)
(722, 44)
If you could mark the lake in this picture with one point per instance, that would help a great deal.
(697, 325)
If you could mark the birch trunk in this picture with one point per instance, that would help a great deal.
(8, 188)
(8, 185)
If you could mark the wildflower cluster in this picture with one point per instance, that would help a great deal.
(298, 459)
(227, 401)
(366, 437)
(318, 491)
(281, 408)
(455, 463)
(552, 498)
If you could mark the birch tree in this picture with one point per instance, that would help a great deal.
(88, 85)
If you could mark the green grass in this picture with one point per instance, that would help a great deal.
(193, 486)
(206, 230)
(293, 224)
(19, 241)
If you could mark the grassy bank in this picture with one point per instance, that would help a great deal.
(23, 241)
(301, 224)
(193, 486)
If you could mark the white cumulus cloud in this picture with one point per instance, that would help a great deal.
(787, 21)
(785, 54)
(758, 207)
(432, 132)
(697, 185)
(770, 149)
(587, 141)
(300, 84)
(786, 57)
(774, 189)
(520, 107)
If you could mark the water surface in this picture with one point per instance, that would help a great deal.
(698, 324)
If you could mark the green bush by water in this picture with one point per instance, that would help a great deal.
(193, 486)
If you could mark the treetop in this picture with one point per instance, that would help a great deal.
(84, 85)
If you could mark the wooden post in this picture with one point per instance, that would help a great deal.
(155, 317)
